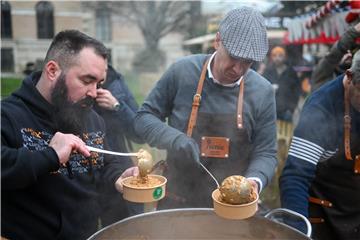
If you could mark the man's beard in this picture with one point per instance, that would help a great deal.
(69, 117)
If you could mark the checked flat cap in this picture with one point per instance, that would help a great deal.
(243, 34)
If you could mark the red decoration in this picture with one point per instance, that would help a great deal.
(325, 10)
(322, 38)
(322, 12)
(354, 12)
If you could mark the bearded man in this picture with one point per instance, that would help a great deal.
(49, 177)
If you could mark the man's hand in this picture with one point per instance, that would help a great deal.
(187, 146)
(65, 144)
(133, 171)
(254, 184)
(105, 99)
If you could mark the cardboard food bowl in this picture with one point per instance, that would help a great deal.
(231, 211)
(144, 194)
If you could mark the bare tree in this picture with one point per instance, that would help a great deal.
(155, 20)
(158, 18)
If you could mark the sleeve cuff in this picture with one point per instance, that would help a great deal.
(54, 161)
(258, 181)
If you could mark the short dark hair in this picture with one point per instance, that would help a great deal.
(67, 44)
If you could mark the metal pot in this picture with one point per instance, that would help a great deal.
(196, 223)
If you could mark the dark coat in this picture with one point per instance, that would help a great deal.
(288, 93)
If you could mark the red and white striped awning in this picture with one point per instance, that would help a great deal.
(325, 26)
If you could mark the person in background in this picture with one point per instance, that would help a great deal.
(321, 178)
(219, 113)
(29, 68)
(116, 104)
(337, 60)
(285, 82)
(49, 178)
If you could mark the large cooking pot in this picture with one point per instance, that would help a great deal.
(196, 223)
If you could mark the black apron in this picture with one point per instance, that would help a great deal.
(189, 185)
(334, 208)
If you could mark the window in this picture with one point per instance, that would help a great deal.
(45, 20)
(6, 29)
(109, 56)
(103, 24)
(7, 60)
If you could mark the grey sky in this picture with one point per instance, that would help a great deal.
(218, 6)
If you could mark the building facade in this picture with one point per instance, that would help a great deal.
(27, 28)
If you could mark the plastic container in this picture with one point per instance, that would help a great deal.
(144, 194)
(231, 211)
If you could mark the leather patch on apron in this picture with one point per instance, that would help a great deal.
(216, 147)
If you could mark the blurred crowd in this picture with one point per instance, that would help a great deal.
(293, 83)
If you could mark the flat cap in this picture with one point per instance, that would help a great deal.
(243, 34)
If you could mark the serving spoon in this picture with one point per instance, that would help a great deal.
(99, 150)
(212, 176)
(145, 161)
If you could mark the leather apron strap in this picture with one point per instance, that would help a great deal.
(347, 122)
(347, 128)
(320, 202)
(240, 105)
(197, 100)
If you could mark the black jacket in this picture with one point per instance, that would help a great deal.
(288, 93)
(119, 132)
(119, 123)
(39, 199)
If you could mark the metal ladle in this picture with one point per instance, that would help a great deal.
(145, 161)
(212, 176)
(99, 150)
(233, 194)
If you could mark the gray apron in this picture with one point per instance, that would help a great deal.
(188, 184)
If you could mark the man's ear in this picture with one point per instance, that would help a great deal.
(52, 70)
(349, 75)
(217, 41)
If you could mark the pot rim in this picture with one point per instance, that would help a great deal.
(93, 236)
